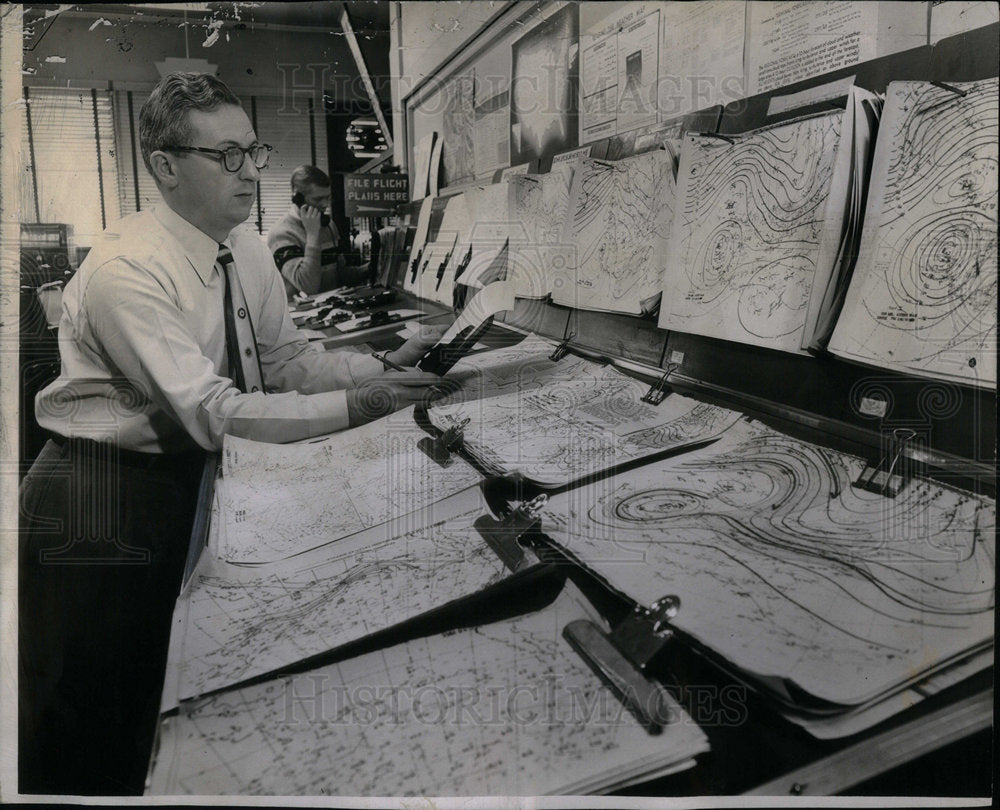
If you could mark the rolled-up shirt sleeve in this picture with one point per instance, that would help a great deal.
(143, 335)
(301, 267)
(307, 268)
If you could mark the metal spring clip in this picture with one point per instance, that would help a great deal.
(562, 349)
(883, 478)
(440, 448)
(504, 535)
(659, 391)
(621, 657)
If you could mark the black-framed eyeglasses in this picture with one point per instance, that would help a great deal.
(233, 156)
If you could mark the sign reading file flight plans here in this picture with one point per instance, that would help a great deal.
(368, 195)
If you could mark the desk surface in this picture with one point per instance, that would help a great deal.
(381, 336)
(754, 749)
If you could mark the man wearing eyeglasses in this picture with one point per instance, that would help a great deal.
(174, 332)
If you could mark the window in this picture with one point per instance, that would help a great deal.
(298, 135)
(71, 158)
(136, 188)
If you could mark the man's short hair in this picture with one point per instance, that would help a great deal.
(305, 176)
(163, 120)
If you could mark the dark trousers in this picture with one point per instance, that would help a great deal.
(103, 539)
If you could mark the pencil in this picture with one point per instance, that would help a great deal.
(388, 362)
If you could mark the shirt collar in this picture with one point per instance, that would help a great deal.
(199, 248)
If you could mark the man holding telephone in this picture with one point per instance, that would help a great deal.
(305, 242)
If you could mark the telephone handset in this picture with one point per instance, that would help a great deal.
(300, 199)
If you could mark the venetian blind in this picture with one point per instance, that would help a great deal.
(296, 136)
(72, 156)
(133, 195)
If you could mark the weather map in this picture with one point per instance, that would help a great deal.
(281, 500)
(565, 429)
(490, 230)
(923, 299)
(751, 214)
(522, 366)
(620, 217)
(458, 152)
(235, 623)
(502, 709)
(539, 259)
(785, 569)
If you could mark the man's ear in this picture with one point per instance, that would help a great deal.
(164, 173)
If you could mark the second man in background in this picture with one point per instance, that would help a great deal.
(306, 244)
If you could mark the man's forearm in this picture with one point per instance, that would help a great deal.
(305, 272)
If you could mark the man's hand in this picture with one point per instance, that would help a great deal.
(417, 345)
(392, 391)
(311, 220)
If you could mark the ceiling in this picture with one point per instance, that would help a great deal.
(369, 16)
(369, 19)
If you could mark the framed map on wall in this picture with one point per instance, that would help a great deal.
(545, 75)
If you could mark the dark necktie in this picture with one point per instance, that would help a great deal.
(241, 342)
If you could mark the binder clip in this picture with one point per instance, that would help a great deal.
(621, 657)
(562, 349)
(440, 449)
(464, 264)
(659, 391)
(504, 536)
(442, 267)
(370, 299)
(337, 316)
(883, 478)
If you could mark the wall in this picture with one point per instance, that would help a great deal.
(709, 53)
(431, 32)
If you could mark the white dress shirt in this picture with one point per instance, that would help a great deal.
(143, 347)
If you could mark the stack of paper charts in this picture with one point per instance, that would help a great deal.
(580, 422)
(502, 709)
(763, 223)
(279, 500)
(424, 151)
(923, 299)
(415, 259)
(861, 117)
(392, 241)
(486, 258)
(538, 205)
(234, 623)
(435, 276)
(834, 600)
(619, 221)
(521, 367)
